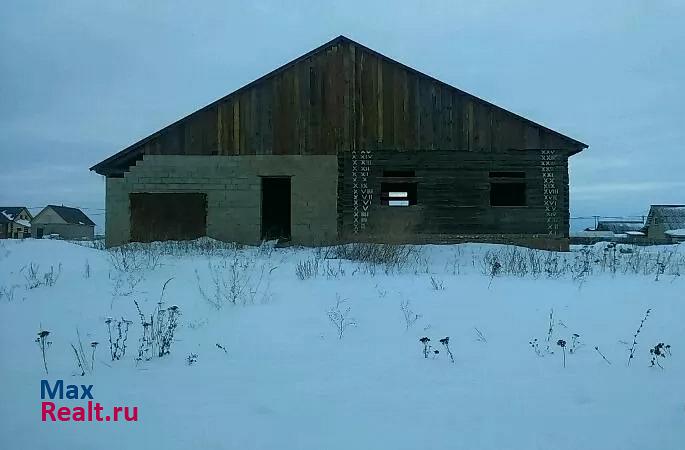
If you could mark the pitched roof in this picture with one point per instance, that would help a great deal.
(72, 215)
(3, 218)
(12, 211)
(338, 40)
(672, 217)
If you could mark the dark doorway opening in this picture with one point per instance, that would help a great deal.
(276, 208)
(162, 217)
(39, 233)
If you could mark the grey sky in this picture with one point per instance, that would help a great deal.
(80, 80)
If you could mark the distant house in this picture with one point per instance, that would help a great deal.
(663, 219)
(610, 230)
(15, 222)
(68, 223)
(620, 226)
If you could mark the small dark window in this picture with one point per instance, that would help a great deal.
(398, 173)
(507, 189)
(507, 194)
(507, 175)
(398, 194)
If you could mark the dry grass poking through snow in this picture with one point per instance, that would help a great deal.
(322, 347)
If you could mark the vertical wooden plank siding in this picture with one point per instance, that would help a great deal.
(345, 98)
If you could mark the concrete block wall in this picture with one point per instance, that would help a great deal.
(117, 214)
(66, 230)
(233, 188)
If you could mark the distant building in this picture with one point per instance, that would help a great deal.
(68, 223)
(620, 226)
(15, 222)
(663, 219)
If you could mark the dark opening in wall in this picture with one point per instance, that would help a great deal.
(161, 217)
(398, 194)
(507, 175)
(508, 189)
(276, 208)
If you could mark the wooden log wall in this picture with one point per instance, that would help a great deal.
(453, 193)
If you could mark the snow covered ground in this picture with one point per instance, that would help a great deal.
(287, 381)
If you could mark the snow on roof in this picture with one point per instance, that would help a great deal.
(635, 233)
(12, 211)
(71, 215)
(593, 233)
(680, 232)
(23, 223)
(619, 226)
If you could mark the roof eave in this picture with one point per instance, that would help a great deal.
(581, 146)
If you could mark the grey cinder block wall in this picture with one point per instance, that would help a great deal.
(233, 188)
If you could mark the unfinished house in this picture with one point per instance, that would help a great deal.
(344, 144)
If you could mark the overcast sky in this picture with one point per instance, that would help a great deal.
(82, 79)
